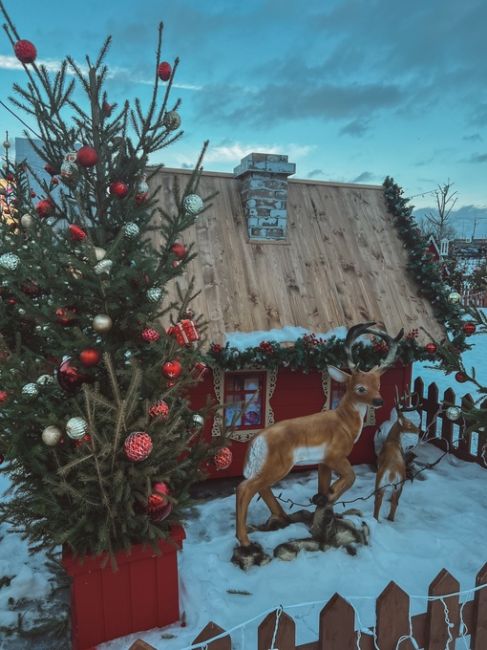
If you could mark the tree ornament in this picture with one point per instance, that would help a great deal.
(69, 169)
(44, 380)
(25, 51)
(90, 357)
(172, 369)
(164, 71)
(6, 144)
(159, 409)
(184, 331)
(461, 377)
(9, 261)
(83, 440)
(223, 458)
(44, 208)
(453, 413)
(142, 192)
(154, 294)
(51, 169)
(198, 420)
(76, 428)
(102, 323)
(69, 377)
(66, 315)
(3, 396)
(158, 498)
(179, 250)
(131, 230)
(137, 446)
(103, 267)
(99, 253)
(107, 108)
(150, 335)
(76, 273)
(454, 297)
(119, 189)
(431, 348)
(199, 370)
(469, 328)
(172, 120)
(77, 233)
(31, 390)
(193, 204)
(51, 435)
(27, 221)
(87, 156)
(175, 264)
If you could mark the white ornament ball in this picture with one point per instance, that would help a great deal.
(154, 294)
(76, 428)
(454, 297)
(193, 204)
(45, 379)
(27, 221)
(99, 253)
(131, 230)
(103, 267)
(31, 390)
(102, 323)
(51, 435)
(9, 261)
(198, 420)
(453, 413)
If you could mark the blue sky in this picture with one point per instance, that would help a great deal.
(351, 90)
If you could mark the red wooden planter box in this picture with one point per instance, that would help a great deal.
(140, 595)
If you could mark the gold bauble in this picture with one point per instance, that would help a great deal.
(27, 221)
(51, 435)
(102, 323)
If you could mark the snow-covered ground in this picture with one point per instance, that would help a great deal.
(433, 529)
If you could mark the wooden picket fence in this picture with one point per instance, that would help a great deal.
(477, 299)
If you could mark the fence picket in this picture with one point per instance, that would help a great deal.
(211, 630)
(286, 633)
(478, 639)
(392, 612)
(431, 410)
(437, 632)
(449, 399)
(337, 625)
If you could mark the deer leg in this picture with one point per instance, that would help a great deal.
(324, 479)
(278, 518)
(394, 503)
(379, 495)
(346, 478)
(247, 554)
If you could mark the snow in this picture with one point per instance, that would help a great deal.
(243, 340)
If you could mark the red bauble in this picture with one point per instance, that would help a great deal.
(150, 335)
(223, 458)
(25, 51)
(86, 156)
(80, 443)
(55, 181)
(164, 71)
(469, 328)
(461, 377)
(137, 446)
(158, 498)
(51, 170)
(179, 250)
(3, 396)
(77, 233)
(158, 409)
(70, 378)
(431, 348)
(90, 357)
(44, 208)
(66, 315)
(33, 194)
(119, 189)
(172, 369)
(141, 197)
(30, 288)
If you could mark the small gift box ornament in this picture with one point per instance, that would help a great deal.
(184, 331)
(199, 370)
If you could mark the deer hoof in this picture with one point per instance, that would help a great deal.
(251, 555)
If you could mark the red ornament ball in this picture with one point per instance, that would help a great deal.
(82, 441)
(172, 369)
(33, 194)
(44, 208)
(119, 189)
(179, 250)
(77, 233)
(164, 71)
(141, 197)
(137, 446)
(469, 328)
(159, 409)
(461, 377)
(69, 377)
(431, 348)
(86, 156)
(90, 357)
(158, 498)
(150, 335)
(25, 51)
(66, 315)
(3, 396)
(223, 458)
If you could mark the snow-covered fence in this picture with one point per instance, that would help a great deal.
(441, 431)
(474, 299)
(445, 620)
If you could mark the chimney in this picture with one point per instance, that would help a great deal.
(263, 189)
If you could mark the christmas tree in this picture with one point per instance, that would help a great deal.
(97, 434)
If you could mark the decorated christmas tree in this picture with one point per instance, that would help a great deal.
(96, 430)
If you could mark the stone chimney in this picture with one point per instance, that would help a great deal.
(263, 189)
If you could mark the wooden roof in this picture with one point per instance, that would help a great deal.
(343, 261)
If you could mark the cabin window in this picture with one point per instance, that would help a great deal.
(245, 399)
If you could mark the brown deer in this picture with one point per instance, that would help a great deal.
(326, 438)
(391, 462)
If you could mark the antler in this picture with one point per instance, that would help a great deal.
(353, 334)
(393, 344)
(399, 403)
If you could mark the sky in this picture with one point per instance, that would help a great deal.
(350, 90)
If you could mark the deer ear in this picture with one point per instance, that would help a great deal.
(338, 375)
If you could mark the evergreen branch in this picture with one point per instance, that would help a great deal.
(113, 377)
(64, 469)
(119, 427)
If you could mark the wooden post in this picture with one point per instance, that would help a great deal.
(467, 404)
(337, 625)
(449, 398)
(286, 632)
(431, 410)
(211, 630)
(442, 611)
(478, 639)
(392, 612)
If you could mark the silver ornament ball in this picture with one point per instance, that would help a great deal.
(43, 380)
(102, 323)
(76, 428)
(198, 420)
(30, 390)
(172, 120)
(154, 294)
(131, 230)
(9, 261)
(103, 267)
(27, 221)
(454, 297)
(51, 435)
(193, 204)
(453, 413)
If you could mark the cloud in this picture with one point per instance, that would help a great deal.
(475, 137)
(314, 173)
(234, 151)
(478, 158)
(364, 177)
(357, 128)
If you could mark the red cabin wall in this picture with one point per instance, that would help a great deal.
(296, 394)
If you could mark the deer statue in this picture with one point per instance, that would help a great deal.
(326, 438)
(391, 461)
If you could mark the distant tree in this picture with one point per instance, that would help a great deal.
(437, 223)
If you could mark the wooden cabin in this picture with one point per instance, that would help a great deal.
(276, 252)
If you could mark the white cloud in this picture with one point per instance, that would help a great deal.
(234, 152)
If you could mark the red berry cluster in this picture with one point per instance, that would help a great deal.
(266, 347)
(413, 334)
(216, 348)
(311, 340)
(379, 346)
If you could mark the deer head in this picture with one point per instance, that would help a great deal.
(404, 405)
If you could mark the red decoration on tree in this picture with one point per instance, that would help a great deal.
(66, 315)
(77, 233)
(461, 377)
(469, 328)
(185, 332)
(137, 446)
(141, 197)
(3, 396)
(90, 357)
(70, 378)
(179, 250)
(150, 335)
(199, 370)
(33, 194)
(107, 108)
(25, 51)
(84, 439)
(30, 288)
(54, 181)
(158, 498)
(266, 347)
(216, 348)
(51, 170)
(86, 156)
(223, 458)
(119, 189)
(175, 263)
(431, 348)
(158, 409)
(164, 71)
(172, 369)
(44, 208)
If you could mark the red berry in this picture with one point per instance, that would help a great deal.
(25, 51)
(87, 156)
(90, 357)
(431, 348)
(469, 328)
(461, 377)
(164, 71)
(119, 189)
(172, 369)
(179, 250)
(44, 208)
(77, 233)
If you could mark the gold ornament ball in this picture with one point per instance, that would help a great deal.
(102, 323)
(27, 221)
(454, 297)
(453, 413)
(51, 435)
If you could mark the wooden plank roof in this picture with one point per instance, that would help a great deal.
(343, 261)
